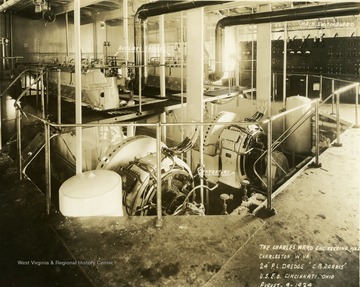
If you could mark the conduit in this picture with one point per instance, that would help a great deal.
(304, 13)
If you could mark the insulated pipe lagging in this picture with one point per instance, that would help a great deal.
(313, 12)
(156, 9)
(163, 7)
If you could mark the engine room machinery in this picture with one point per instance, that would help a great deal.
(135, 159)
(231, 152)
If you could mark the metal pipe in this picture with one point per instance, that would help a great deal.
(159, 8)
(269, 164)
(42, 95)
(47, 168)
(356, 106)
(78, 102)
(18, 141)
(320, 88)
(67, 33)
(159, 221)
(162, 72)
(292, 14)
(307, 86)
(59, 96)
(285, 64)
(126, 34)
(14, 81)
(1, 119)
(317, 134)
(338, 143)
(332, 98)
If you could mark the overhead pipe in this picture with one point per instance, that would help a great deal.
(155, 9)
(303, 13)
(8, 4)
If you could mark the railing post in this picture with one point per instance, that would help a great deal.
(42, 94)
(307, 86)
(338, 127)
(0, 120)
(332, 98)
(18, 141)
(159, 221)
(269, 165)
(320, 88)
(317, 137)
(356, 107)
(47, 168)
(59, 96)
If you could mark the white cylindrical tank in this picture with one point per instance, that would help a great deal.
(92, 193)
(300, 140)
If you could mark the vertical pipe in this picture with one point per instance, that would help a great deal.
(95, 41)
(252, 63)
(162, 72)
(59, 96)
(237, 51)
(307, 86)
(356, 107)
(47, 168)
(273, 87)
(78, 109)
(126, 33)
(182, 72)
(332, 98)
(284, 73)
(320, 88)
(18, 141)
(252, 69)
(338, 143)
(47, 89)
(140, 92)
(11, 43)
(159, 221)
(269, 164)
(0, 119)
(195, 76)
(42, 94)
(67, 33)
(317, 133)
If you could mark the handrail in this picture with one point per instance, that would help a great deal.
(296, 125)
(16, 79)
(313, 75)
(269, 120)
(286, 133)
(16, 104)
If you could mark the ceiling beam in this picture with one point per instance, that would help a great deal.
(70, 6)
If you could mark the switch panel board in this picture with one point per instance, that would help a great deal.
(321, 56)
(337, 57)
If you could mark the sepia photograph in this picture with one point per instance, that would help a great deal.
(179, 143)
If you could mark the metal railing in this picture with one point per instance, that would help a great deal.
(272, 145)
(312, 111)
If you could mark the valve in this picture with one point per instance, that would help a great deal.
(225, 197)
(244, 184)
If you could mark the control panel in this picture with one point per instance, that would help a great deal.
(336, 57)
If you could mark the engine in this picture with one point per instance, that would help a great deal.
(231, 152)
(239, 149)
(135, 159)
(140, 185)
